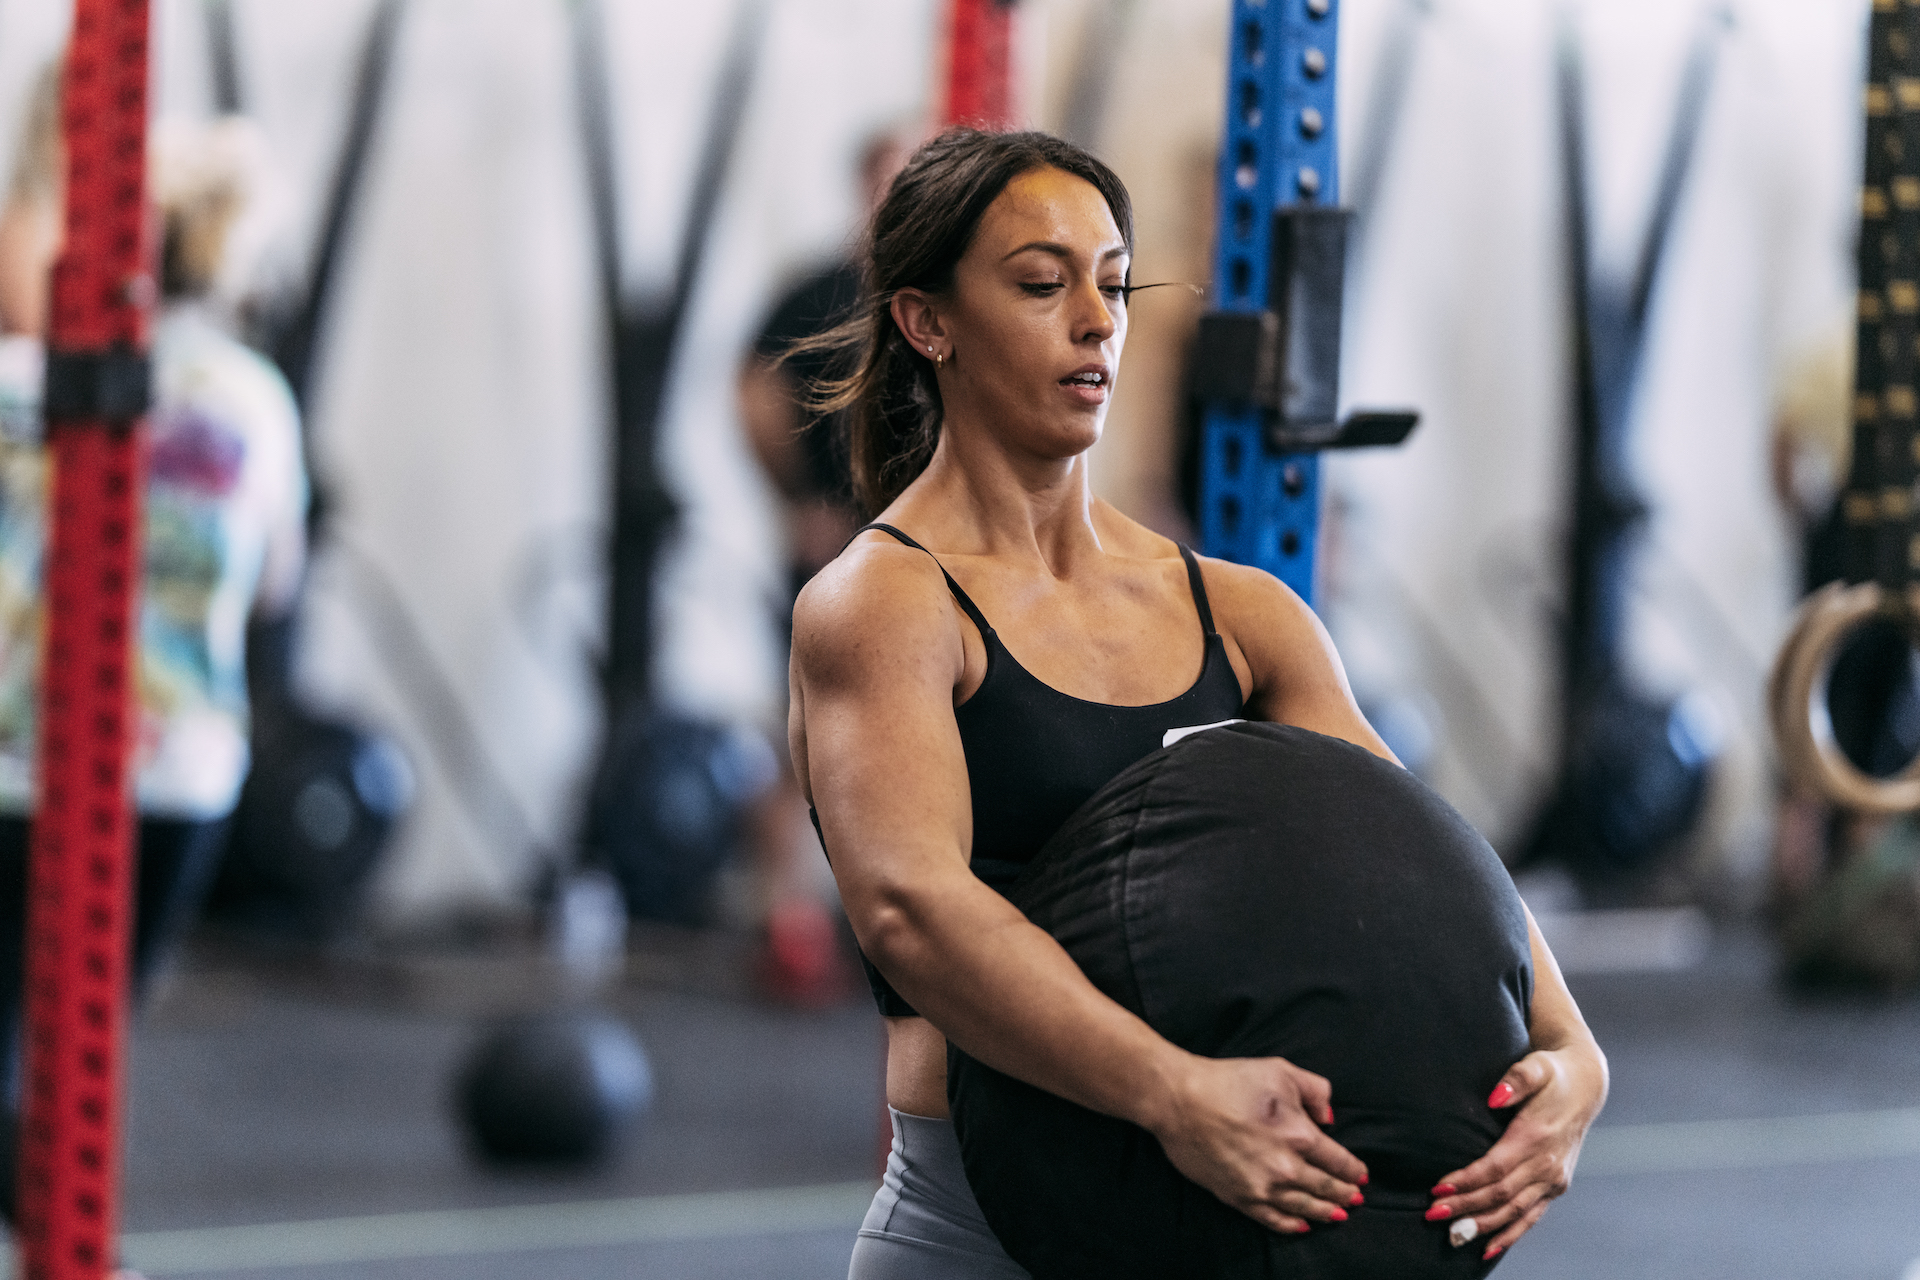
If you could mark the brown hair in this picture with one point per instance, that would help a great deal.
(888, 406)
(201, 174)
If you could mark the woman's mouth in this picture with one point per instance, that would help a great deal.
(1087, 385)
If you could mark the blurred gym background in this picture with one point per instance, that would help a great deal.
(465, 217)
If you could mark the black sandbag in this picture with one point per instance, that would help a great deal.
(1261, 890)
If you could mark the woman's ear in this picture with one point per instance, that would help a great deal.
(919, 319)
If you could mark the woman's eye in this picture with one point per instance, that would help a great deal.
(1117, 291)
(1042, 288)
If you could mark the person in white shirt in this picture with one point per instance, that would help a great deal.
(224, 533)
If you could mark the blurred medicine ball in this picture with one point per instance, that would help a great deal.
(316, 811)
(556, 1088)
(1639, 777)
(667, 807)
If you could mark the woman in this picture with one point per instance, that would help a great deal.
(998, 266)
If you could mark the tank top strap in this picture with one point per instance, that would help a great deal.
(1199, 586)
(965, 601)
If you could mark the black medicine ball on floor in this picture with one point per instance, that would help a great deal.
(557, 1088)
(1252, 891)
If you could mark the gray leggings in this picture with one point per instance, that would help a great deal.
(924, 1223)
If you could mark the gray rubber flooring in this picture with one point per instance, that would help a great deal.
(295, 1125)
(1837, 1197)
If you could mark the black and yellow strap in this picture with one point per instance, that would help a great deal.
(1879, 501)
(1882, 498)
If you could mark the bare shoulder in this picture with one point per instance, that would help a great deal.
(875, 607)
(1252, 605)
(1286, 649)
(1296, 671)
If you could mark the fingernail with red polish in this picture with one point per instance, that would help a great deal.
(1339, 1214)
(1445, 1189)
(1357, 1199)
(1303, 1228)
(1439, 1213)
(1502, 1094)
(1493, 1251)
(1363, 1179)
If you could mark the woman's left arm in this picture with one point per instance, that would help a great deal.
(1559, 1088)
(1295, 677)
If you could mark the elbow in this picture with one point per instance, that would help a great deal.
(890, 921)
(888, 937)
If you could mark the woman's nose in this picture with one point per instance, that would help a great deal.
(1096, 320)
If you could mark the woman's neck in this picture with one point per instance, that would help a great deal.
(985, 502)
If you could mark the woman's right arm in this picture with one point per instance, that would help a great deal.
(877, 654)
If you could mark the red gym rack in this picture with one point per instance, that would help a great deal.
(80, 878)
(980, 64)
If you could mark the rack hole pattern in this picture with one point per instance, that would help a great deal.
(79, 875)
(1258, 507)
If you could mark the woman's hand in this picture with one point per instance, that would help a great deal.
(1506, 1191)
(1248, 1130)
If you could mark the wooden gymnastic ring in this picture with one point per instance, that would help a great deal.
(1797, 696)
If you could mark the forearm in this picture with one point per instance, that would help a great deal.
(1557, 1091)
(1007, 994)
(1554, 1021)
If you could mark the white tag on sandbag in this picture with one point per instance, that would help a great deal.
(1174, 735)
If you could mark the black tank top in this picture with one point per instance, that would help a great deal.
(1035, 755)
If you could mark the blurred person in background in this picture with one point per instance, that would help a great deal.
(224, 531)
(800, 450)
(804, 457)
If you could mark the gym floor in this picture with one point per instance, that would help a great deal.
(291, 1120)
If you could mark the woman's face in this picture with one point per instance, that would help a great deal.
(1037, 316)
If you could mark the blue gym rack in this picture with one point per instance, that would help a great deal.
(1267, 361)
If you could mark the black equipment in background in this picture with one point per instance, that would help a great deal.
(223, 58)
(316, 812)
(1633, 769)
(323, 795)
(1386, 105)
(665, 807)
(292, 331)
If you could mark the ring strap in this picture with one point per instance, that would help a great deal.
(1880, 499)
